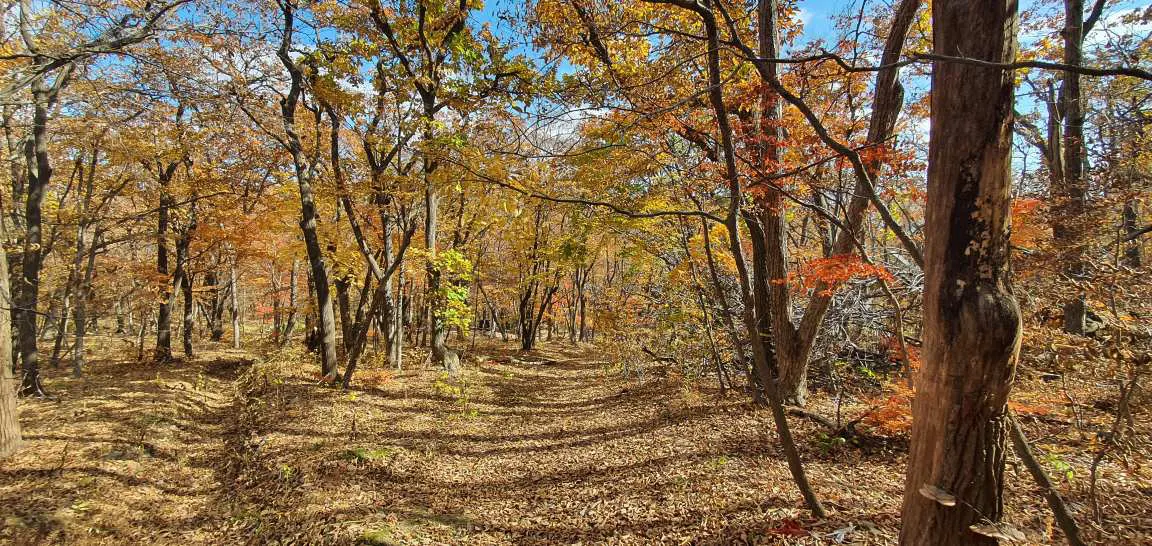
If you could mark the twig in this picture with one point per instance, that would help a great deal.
(1055, 502)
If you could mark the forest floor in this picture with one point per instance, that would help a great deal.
(552, 446)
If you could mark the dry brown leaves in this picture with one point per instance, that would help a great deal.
(542, 448)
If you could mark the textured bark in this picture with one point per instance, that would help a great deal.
(971, 320)
(39, 174)
(9, 423)
(163, 351)
(305, 170)
(1072, 194)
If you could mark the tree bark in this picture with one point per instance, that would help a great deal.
(39, 174)
(10, 438)
(971, 321)
(163, 351)
(235, 303)
(182, 282)
(1072, 194)
(83, 294)
(290, 322)
(794, 341)
(305, 174)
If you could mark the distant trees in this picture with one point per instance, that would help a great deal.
(392, 173)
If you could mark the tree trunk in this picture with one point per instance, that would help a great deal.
(344, 306)
(1132, 253)
(305, 171)
(396, 348)
(215, 312)
(9, 423)
(762, 346)
(971, 321)
(65, 318)
(39, 174)
(163, 351)
(293, 297)
(794, 341)
(182, 283)
(1072, 194)
(83, 294)
(189, 314)
(235, 304)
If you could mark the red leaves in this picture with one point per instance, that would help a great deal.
(790, 527)
(836, 270)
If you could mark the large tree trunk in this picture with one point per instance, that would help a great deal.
(39, 173)
(326, 319)
(18, 174)
(971, 320)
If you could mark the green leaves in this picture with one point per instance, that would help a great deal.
(455, 272)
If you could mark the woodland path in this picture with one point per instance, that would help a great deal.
(541, 448)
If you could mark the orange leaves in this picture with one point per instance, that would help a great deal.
(893, 415)
(1028, 223)
(897, 160)
(1024, 408)
(833, 271)
(896, 352)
